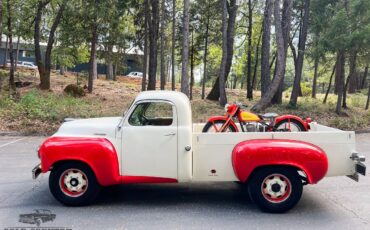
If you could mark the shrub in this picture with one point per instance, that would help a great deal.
(306, 89)
(74, 90)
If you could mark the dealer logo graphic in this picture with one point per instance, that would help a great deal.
(37, 218)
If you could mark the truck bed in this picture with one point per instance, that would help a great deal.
(212, 150)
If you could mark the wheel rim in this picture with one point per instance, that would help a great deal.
(73, 182)
(276, 188)
(289, 126)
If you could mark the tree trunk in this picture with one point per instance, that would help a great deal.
(173, 44)
(17, 54)
(368, 99)
(351, 75)
(153, 38)
(231, 9)
(294, 53)
(145, 57)
(163, 72)
(6, 51)
(256, 63)
(314, 82)
(265, 51)
(363, 83)
(221, 77)
(62, 70)
(352, 82)
(192, 66)
(109, 64)
(115, 71)
(185, 50)
(300, 57)
(340, 80)
(205, 58)
(93, 62)
(1, 24)
(44, 66)
(330, 82)
(249, 54)
(109, 73)
(45, 82)
(274, 86)
(12, 87)
(286, 17)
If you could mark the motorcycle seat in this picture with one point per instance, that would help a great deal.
(270, 115)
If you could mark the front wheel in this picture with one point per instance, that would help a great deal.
(289, 125)
(215, 126)
(275, 189)
(73, 184)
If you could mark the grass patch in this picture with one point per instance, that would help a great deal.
(48, 110)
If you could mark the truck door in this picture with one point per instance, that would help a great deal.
(149, 144)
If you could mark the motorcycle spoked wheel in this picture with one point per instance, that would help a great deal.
(211, 127)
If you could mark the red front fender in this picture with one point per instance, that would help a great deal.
(251, 154)
(221, 118)
(292, 117)
(98, 153)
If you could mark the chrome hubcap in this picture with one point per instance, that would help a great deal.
(73, 182)
(276, 188)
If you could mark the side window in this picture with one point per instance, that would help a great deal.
(152, 114)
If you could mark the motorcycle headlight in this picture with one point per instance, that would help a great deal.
(226, 107)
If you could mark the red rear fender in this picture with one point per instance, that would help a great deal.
(98, 153)
(251, 154)
(292, 117)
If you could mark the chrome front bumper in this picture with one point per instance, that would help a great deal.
(360, 167)
(36, 171)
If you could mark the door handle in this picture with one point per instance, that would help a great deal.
(170, 134)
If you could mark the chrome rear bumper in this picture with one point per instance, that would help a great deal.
(360, 168)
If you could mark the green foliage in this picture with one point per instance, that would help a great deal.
(70, 56)
(214, 60)
(305, 87)
(36, 105)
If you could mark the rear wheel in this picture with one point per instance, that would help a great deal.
(275, 189)
(289, 125)
(215, 126)
(73, 184)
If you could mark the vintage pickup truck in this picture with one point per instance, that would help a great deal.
(155, 141)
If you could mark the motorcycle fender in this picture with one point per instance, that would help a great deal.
(252, 154)
(292, 117)
(218, 118)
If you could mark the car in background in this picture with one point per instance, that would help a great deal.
(24, 64)
(135, 74)
(27, 65)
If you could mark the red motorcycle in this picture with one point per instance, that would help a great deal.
(250, 122)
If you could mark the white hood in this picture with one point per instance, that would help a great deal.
(102, 127)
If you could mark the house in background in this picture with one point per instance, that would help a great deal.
(131, 61)
(26, 50)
